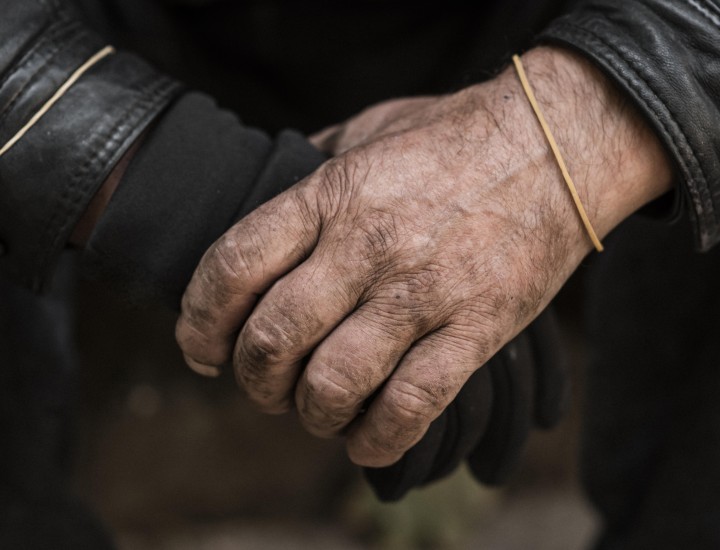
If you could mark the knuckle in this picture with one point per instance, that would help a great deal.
(262, 342)
(466, 340)
(409, 406)
(329, 395)
(232, 260)
(415, 298)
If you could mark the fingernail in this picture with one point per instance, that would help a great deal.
(201, 368)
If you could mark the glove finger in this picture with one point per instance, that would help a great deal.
(391, 483)
(552, 386)
(494, 458)
(467, 420)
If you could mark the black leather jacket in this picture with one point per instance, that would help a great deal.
(665, 54)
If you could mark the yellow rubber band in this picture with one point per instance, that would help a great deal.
(56, 96)
(556, 151)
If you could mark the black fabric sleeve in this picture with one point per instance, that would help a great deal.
(49, 177)
(198, 171)
(665, 54)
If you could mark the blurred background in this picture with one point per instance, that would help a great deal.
(171, 460)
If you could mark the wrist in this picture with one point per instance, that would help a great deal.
(617, 163)
(522, 205)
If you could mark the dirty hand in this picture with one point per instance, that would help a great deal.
(402, 265)
(523, 386)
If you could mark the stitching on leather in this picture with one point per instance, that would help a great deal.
(66, 203)
(150, 97)
(691, 153)
(686, 154)
(713, 5)
(692, 164)
(37, 40)
(146, 99)
(48, 34)
(59, 22)
(705, 11)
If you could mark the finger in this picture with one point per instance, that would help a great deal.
(511, 420)
(238, 268)
(391, 483)
(420, 388)
(447, 442)
(352, 362)
(211, 371)
(553, 382)
(291, 319)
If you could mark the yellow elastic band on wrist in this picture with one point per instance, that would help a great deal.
(56, 96)
(556, 151)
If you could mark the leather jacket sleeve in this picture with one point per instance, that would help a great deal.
(665, 54)
(49, 177)
(198, 170)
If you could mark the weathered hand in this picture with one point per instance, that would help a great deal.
(523, 386)
(402, 265)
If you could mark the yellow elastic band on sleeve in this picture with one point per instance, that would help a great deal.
(62, 90)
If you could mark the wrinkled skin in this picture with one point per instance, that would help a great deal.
(440, 230)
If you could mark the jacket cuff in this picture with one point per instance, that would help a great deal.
(54, 171)
(665, 56)
(198, 171)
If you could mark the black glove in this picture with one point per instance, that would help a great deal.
(523, 386)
